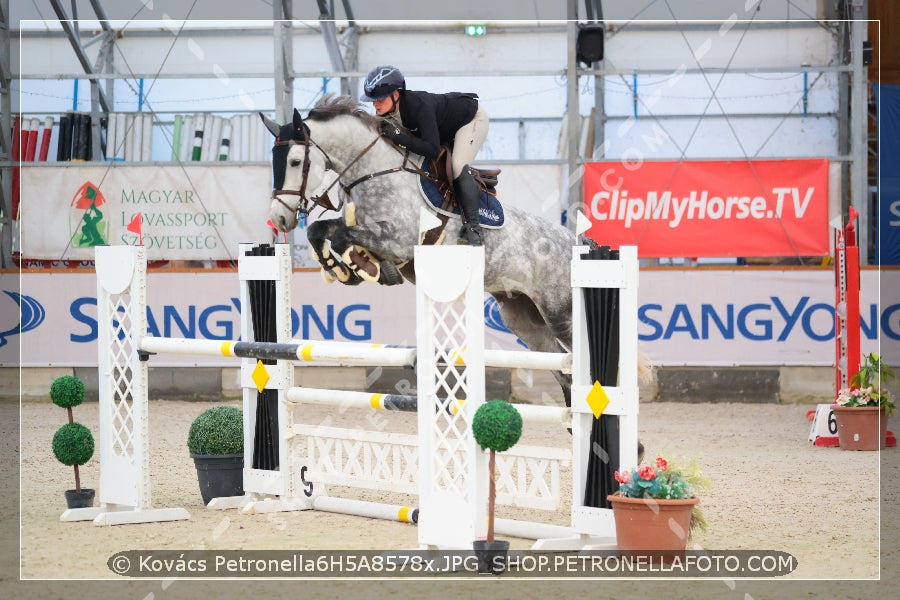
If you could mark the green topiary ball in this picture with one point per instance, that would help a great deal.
(497, 425)
(67, 391)
(218, 430)
(73, 444)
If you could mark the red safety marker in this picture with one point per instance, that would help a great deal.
(135, 227)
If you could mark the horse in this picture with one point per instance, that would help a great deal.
(526, 260)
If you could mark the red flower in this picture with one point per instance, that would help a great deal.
(661, 463)
(647, 473)
(623, 477)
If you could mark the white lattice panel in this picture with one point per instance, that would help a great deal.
(366, 459)
(527, 476)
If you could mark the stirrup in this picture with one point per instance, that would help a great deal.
(470, 235)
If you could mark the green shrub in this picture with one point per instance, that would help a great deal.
(218, 430)
(497, 425)
(73, 444)
(67, 391)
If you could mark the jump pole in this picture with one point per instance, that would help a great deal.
(348, 353)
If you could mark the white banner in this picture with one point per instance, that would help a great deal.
(755, 317)
(189, 213)
(686, 317)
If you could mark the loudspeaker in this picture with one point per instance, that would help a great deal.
(589, 43)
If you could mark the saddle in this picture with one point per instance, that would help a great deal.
(442, 171)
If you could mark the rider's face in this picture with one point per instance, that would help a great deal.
(387, 104)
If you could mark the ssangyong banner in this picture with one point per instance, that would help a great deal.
(710, 208)
(185, 213)
(696, 317)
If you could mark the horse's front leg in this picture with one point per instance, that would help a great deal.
(354, 244)
(321, 248)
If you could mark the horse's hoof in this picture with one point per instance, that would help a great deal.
(390, 274)
(362, 263)
(342, 273)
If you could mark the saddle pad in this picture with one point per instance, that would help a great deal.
(490, 212)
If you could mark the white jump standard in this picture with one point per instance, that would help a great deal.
(441, 463)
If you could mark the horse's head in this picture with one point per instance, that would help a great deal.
(296, 170)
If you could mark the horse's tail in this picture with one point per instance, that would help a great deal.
(646, 369)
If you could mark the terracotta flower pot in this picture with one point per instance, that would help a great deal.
(655, 527)
(861, 427)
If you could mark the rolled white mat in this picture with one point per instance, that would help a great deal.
(137, 136)
(236, 138)
(111, 136)
(129, 137)
(245, 137)
(147, 138)
(121, 125)
(225, 145)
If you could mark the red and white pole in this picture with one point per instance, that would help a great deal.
(847, 330)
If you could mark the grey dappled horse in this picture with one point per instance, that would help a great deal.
(526, 260)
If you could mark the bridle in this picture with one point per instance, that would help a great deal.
(323, 200)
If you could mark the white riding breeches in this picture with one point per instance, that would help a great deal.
(468, 141)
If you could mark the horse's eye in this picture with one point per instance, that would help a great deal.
(295, 163)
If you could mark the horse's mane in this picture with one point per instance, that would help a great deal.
(331, 106)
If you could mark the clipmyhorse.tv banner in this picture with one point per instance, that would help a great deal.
(189, 213)
(710, 208)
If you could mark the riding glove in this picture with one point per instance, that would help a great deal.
(391, 132)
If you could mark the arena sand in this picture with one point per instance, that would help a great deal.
(771, 490)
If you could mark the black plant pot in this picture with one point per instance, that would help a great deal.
(82, 499)
(491, 557)
(219, 475)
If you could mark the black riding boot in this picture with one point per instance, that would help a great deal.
(467, 195)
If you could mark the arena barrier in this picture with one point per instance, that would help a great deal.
(442, 464)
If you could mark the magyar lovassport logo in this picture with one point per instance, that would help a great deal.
(31, 314)
(87, 225)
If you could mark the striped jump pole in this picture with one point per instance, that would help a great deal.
(404, 403)
(348, 353)
(368, 354)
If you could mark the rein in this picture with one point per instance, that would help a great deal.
(402, 167)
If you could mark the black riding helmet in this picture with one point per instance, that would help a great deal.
(381, 83)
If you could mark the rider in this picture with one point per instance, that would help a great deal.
(455, 119)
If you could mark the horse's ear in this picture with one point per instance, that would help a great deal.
(271, 125)
(301, 131)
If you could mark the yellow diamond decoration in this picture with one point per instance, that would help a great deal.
(260, 376)
(597, 399)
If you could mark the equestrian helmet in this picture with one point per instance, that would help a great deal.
(381, 83)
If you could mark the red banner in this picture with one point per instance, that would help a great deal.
(710, 208)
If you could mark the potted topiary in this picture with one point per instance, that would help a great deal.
(216, 443)
(73, 444)
(496, 426)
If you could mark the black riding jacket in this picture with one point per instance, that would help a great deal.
(433, 119)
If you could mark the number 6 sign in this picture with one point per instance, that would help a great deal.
(824, 428)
